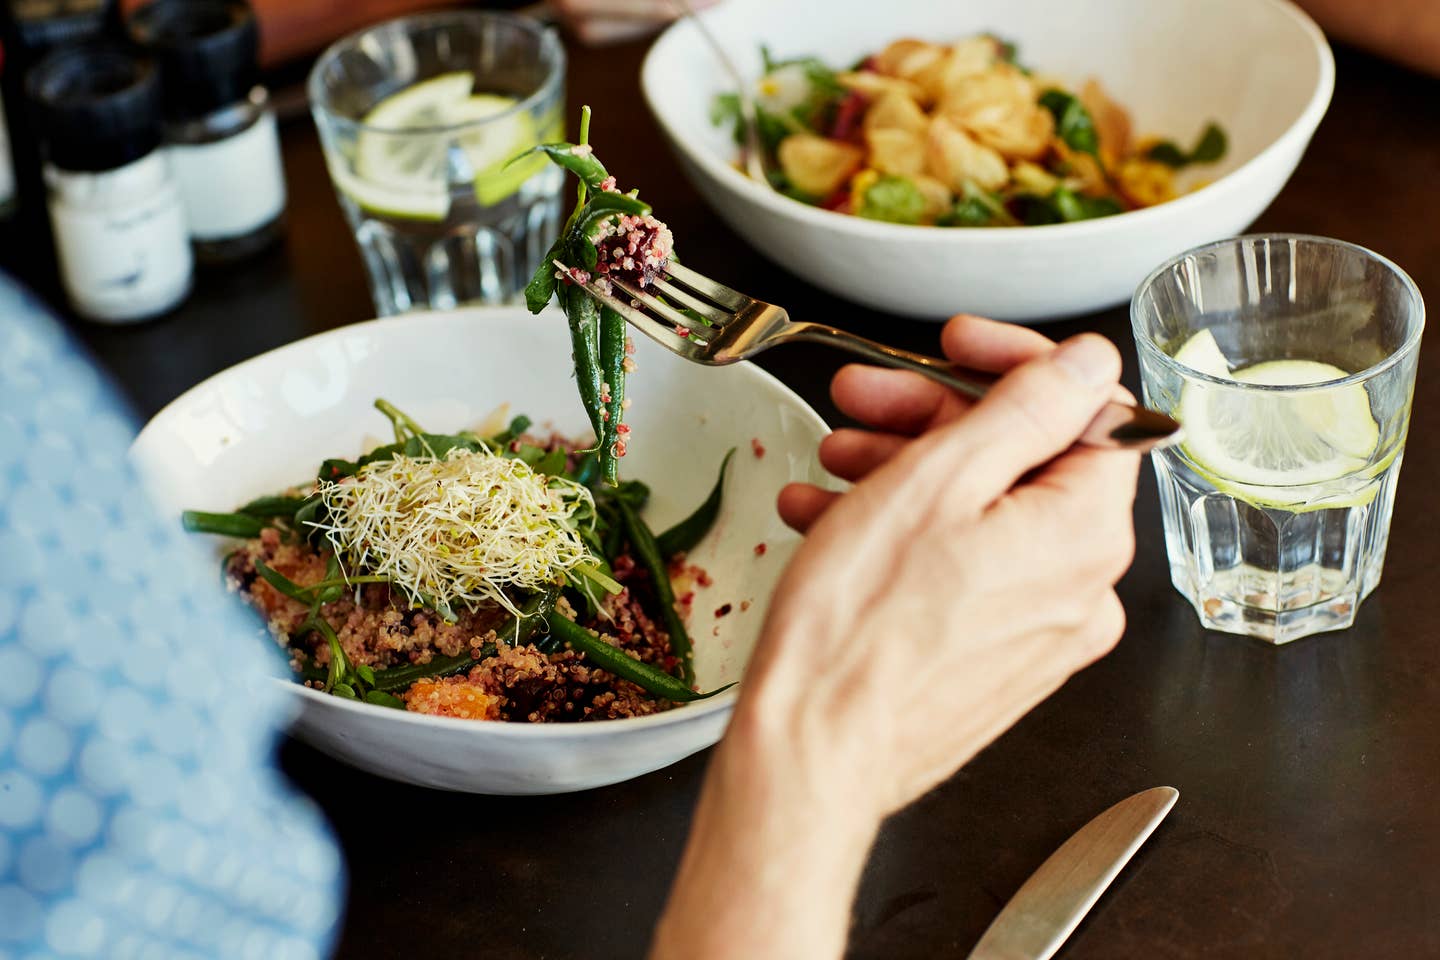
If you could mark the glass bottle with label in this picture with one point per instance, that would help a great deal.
(119, 226)
(219, 128)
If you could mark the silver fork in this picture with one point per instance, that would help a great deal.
(754, 159)
(726, 326)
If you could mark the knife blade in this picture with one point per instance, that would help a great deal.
(1051, 904)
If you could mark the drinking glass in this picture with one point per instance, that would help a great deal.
(1277, 502)
(419, 119)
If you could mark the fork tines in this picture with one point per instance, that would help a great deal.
(708, 306)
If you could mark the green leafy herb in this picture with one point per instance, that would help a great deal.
(1063, 205)
(892, 199)
(1209, 148)
(1073, 122)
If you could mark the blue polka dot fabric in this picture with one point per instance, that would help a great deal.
(141, 814)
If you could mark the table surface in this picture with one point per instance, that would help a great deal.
(1307, 823)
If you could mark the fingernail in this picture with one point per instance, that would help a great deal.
(1091, 360)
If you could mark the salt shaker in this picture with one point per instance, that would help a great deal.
(119, 227)
(219, 128)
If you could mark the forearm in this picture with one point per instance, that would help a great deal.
(1403, 30)
(773, 859)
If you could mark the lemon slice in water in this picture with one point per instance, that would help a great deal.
(1302, 450)
(406, 175)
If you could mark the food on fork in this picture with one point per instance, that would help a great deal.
(610, 235)
(957, 135)
(482, 574)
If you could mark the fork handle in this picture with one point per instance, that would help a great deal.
(1120, 426)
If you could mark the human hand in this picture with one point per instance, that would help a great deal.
(966, 575)
(612, 21)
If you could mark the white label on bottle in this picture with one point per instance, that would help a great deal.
(7, 172)
(232, 186)
(121, 239)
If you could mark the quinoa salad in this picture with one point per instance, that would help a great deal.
(484, 575)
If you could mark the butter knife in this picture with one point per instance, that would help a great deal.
(1051, 904)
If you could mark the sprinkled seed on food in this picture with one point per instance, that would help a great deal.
(760, 549)
(723, 610)
(744, 605)
(682, 331)
(629, 365)
(757, 448)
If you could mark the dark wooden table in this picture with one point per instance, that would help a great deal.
(1308, 823)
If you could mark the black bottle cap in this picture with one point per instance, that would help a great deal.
(206, 51)
(97, 106)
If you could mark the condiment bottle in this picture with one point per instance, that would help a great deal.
(119, 228)
(7, 168)
(219, 127)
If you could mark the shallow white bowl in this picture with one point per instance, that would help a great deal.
(1261, 68)
(267, 423)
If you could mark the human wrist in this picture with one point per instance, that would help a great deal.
(773, 859)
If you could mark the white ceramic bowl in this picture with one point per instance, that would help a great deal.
(267, 423)
(1261, 68)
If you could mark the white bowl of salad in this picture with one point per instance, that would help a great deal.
(1013, 158)
(585, 684)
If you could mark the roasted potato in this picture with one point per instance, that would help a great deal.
(954, 158)
(818, 166)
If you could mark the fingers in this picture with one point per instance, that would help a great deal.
(1029, 417)
(801, 504)
(852, 454)
(898, 401)
(990, 345)
(904, 402)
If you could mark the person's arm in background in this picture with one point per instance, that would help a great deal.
(1407, 31)
(967, 574)
(291, 29)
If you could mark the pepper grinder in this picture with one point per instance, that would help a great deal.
(219, 128)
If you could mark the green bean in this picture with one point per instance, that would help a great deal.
(542, 284)
(400, 678)
(651, 679)
(612, 363)
(601, 207)
(584, 316)
(684, 535)
(283, 583)
(268, 507)
(584, 164)
(648, 553)
(225, 524)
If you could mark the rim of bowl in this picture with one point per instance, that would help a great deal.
(1300, 129)
(1147, 346)
(678, 714)
(550, 46)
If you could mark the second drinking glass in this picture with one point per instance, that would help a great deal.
(420, 118)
